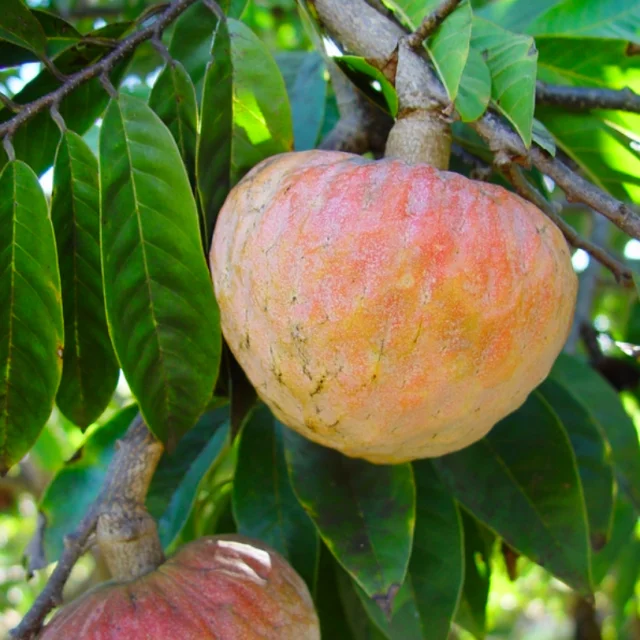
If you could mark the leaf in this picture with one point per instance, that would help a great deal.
(79, 109)
(413, 12)
(521, 481)
(514, 15)
(511, 59)
(90, 369)
(174, 518)
(247, 116)
(449, 48)
(31, 330)
(605, 407)
(371, 81)
(162, 314)
(478, 542)
(626, 573)
(173, 98)
(365, 513)
(426, 603)
(617, 20)
(19, 26)
(474, 92)
(304, 76)
(543, 138)
(78, 483)
(592, 455)
(624, 523)
(264, 504)
(60, 36)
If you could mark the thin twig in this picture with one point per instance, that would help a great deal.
(431, 23)
(584, 98)
(100, 68)
(522, 186)
(137, 447)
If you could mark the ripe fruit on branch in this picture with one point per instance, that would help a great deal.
(223, 587)
(388, 310)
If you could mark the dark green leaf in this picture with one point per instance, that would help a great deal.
(370, 80)
(264, 504)
(90, 370)
(449, 48)
(365, 513)
(77, 485)
(31, 329)
(19, 26)
(522, 481)
(511, 59)
(173, 98)
(604, 406)
(478, 542)
(247, 116)
(426, 603)
(162, 314)
(592, 455)
(624, 522)
(79, 109)
(303, 74)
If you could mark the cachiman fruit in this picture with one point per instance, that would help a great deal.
(388, 310)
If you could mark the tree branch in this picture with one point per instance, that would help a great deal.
(522, 186)
(101, 68)
(364, 31)
(136, 457)
(584, 98)
(431, 23)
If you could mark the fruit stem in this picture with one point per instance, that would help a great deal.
(422, 132)
(127, 535)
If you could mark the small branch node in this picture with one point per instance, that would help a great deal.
(431, 23)
(107, 85)
(10, 104)
(214, 7)
(161, 48)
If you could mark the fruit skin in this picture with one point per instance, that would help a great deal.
(221, 587)
(388, 310)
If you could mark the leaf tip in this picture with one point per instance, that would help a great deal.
(385, 600)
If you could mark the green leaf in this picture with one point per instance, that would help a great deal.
(19, 26)
(365, 513)
(247, 116)
(600, 142)
(78, 484)
(304, 76)
(521, 480)
(89, 366)
(511, 59)
(60, 36)
(264, 504)
(449, 48)
(478, 543)
(603, 404)
(31, 330)
(617, 20)
(162, 314)
(174, 518)
(626, 573)
(592, 455)
(413, 12)
(543, 138)
(426, 603)
(514, 15)
(474, 92)
(370, 80)
(173, 98)
(79, 109)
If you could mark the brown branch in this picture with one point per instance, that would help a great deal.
(431, 23)
(101, 68)
(584, 98)
(136, 456)
(622, 274)
(363, 31)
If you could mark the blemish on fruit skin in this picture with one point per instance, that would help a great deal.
(354, 297)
